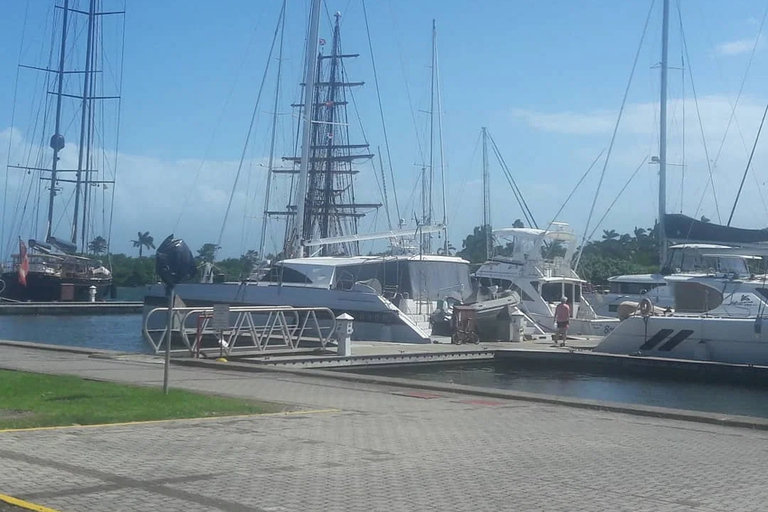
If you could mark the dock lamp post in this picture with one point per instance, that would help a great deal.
(174, 263)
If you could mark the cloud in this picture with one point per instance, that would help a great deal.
(737, 47)
(185, 197)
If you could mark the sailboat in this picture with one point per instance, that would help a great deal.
(390, 297)
(718, 314)
(71, 188)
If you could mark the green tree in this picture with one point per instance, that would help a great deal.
(144, 240)
(98, 245)
(207, 253)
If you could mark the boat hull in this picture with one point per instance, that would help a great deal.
(717, 339)
(49, 288)
(376, 319)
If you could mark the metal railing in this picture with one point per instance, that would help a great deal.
(251, 328)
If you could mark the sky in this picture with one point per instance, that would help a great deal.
(547, 78)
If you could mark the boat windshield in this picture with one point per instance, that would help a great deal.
(682, 261)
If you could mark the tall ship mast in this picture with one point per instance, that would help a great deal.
(330, 208)
(73, 177)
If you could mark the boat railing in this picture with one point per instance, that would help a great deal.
(250, 329)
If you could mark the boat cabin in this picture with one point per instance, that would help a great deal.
(428, 278)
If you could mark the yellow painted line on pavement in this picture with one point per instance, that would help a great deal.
(152, 422)
(25, 504)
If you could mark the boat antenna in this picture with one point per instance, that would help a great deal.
(663, 134)
(57, 140)
(296, 249)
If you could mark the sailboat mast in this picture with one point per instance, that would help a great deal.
(431, 179)
(57, 140)
(84, 120)
(297, 250)
(276, 105)
(663, 136)
(487, 199)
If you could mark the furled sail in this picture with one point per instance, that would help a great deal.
(681, 228)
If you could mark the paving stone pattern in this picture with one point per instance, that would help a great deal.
(383, 451)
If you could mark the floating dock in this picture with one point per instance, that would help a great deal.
(71, 308)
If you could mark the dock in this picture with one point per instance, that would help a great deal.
(71, 308)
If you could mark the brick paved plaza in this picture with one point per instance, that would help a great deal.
(372, 447)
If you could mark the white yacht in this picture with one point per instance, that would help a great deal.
(709, 324)
(541, 280)
(390, 297)
(712, 261)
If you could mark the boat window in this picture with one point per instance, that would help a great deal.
(283, 274)
(505, 284)
(437, 279)
(535, 285)
(732, 266)
(551, 292)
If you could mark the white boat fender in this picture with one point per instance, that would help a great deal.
(645, 307)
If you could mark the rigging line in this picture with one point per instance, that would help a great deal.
(600, 222)
(743, 81)
(460, 192)
(701, 130)
(407, 88)
(615, 131)
(3, 247)
(386, 196)
(262, 237)
(248, 135)
(218, 123)
(117, 139)
(520, 199)
(567, 199)
(682, 81)
(512, 185)
(381, 113)
(441, 148)
(749, 162)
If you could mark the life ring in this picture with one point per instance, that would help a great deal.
(2, 286)
(645, 307)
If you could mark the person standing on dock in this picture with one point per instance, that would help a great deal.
(562, 319)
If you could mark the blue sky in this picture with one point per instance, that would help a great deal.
(546, 78)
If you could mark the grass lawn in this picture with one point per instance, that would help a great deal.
(38, 400)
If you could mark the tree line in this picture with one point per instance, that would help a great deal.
(613, 254)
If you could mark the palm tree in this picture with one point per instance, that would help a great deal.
(610, 234)
(98, 245)
(144, 240)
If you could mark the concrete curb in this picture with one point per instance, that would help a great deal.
(66, 348)
(595, 405)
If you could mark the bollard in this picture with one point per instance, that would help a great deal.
(92, 293)
(517, 326)
(344, 330)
